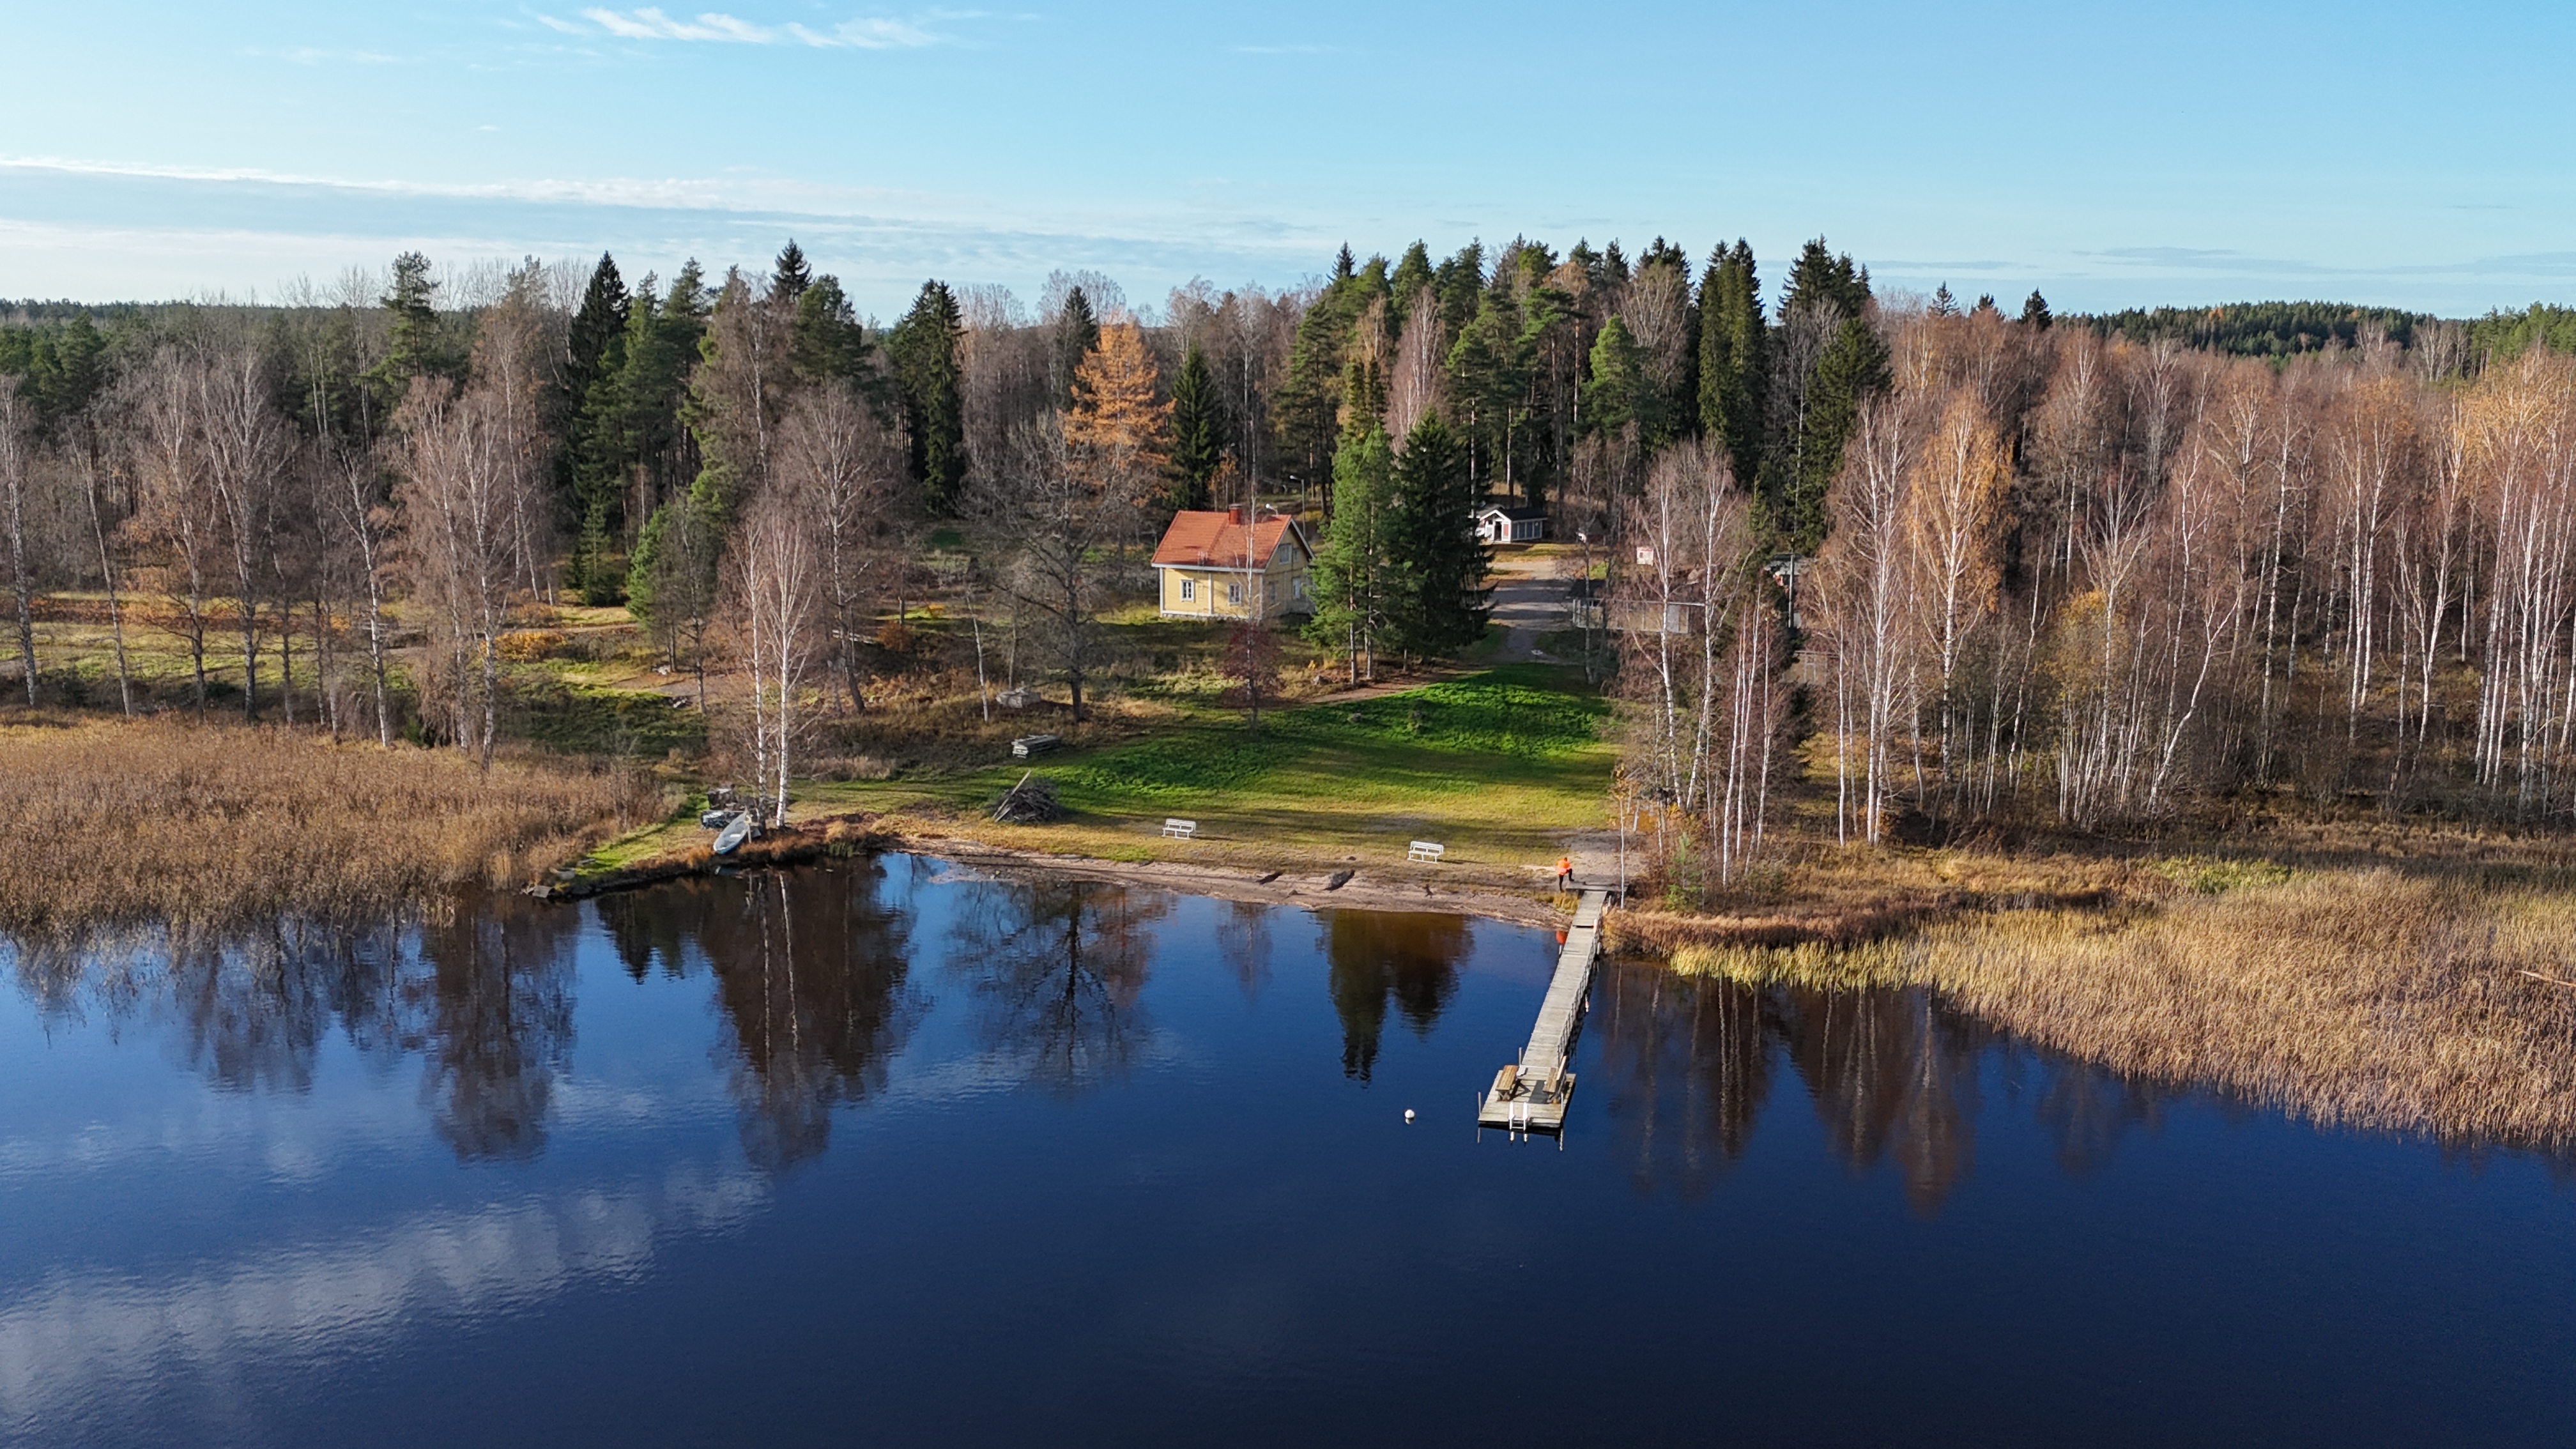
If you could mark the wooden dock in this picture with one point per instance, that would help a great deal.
(1531, 1094)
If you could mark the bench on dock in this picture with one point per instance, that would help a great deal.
(1181, 829)
(1426, 850)
(1027, 745)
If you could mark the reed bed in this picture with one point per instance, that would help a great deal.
(191, 825)
(2435, 1001)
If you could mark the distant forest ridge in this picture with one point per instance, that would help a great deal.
(2241, 329)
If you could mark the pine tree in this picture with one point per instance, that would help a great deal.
(1077, 332)
(1350, 569)
(924, 349)
(2035, 311)
(1489, 376)
(1731, 363)
(1198, 431)
(414, 343)
(1459, 283)
(1437, 601)
(1612, 394)
(828, 343)
(1307, 408)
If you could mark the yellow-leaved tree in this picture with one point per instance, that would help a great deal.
(1119, 429)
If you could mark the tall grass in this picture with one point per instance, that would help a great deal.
(2435, 1000)
(125, 823)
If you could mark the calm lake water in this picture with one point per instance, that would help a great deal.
(893, 1155)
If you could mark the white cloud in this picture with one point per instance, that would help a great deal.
(865, 33)
(650, 23)
(869, 35)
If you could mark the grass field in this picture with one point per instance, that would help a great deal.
(1496, 766)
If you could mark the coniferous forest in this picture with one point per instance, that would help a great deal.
(1951, 562)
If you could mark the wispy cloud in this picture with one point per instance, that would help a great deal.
(868, 35)
(314, 55)
(653, 23)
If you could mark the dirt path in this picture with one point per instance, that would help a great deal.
(1529, 600)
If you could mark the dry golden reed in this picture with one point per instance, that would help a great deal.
(2437, 1000)
(207, 825)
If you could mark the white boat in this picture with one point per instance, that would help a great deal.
(733, 835)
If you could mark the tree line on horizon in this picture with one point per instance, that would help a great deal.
(2007, 565)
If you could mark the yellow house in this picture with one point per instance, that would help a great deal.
(1234, 565)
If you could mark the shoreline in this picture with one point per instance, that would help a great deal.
(1288, 882)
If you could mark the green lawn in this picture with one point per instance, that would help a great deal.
(1495, 765)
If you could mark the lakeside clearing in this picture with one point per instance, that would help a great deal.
(1498, 766)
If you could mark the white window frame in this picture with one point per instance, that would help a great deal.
(1189, 588)
(1234, 592)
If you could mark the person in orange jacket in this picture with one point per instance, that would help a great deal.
(1564, 872)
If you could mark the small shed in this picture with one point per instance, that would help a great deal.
(1496, 524)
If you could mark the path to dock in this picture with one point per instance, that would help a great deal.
(1531, 1094)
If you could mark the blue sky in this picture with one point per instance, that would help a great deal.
(2111, 155)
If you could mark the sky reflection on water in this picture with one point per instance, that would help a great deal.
(894, 1152)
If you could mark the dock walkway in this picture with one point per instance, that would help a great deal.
(1531, 1094)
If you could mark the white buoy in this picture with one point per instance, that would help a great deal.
(1408, 1114)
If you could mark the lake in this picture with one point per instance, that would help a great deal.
(897, 1154)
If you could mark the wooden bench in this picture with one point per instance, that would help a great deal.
(1181, 829)
(1027, 745)
(1426, 850)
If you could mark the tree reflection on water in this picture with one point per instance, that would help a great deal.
(492, 1010)
(1893, 1076)
(812, 971)
(1375, 957)
(1057, 968)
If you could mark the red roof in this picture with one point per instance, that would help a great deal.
(1212, 539)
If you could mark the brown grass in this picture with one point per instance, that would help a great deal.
(2435, 998)
(128, 823)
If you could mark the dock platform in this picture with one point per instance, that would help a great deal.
(1531, 1095)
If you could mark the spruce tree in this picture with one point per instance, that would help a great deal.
(924, 349)
(1198, 431)
(1821, 279)
(1350, 573)
(1853, 366)
(1077, 332)
(593, 346)
(1412, 274)
(1943, 304)
(791, 276)
(1437, 599)
(1731, 363)
(2035, 311)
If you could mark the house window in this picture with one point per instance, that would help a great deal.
(1234, 593)
(1299, 586)
(1189, 590)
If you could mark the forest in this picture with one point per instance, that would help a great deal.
(1939, 566)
